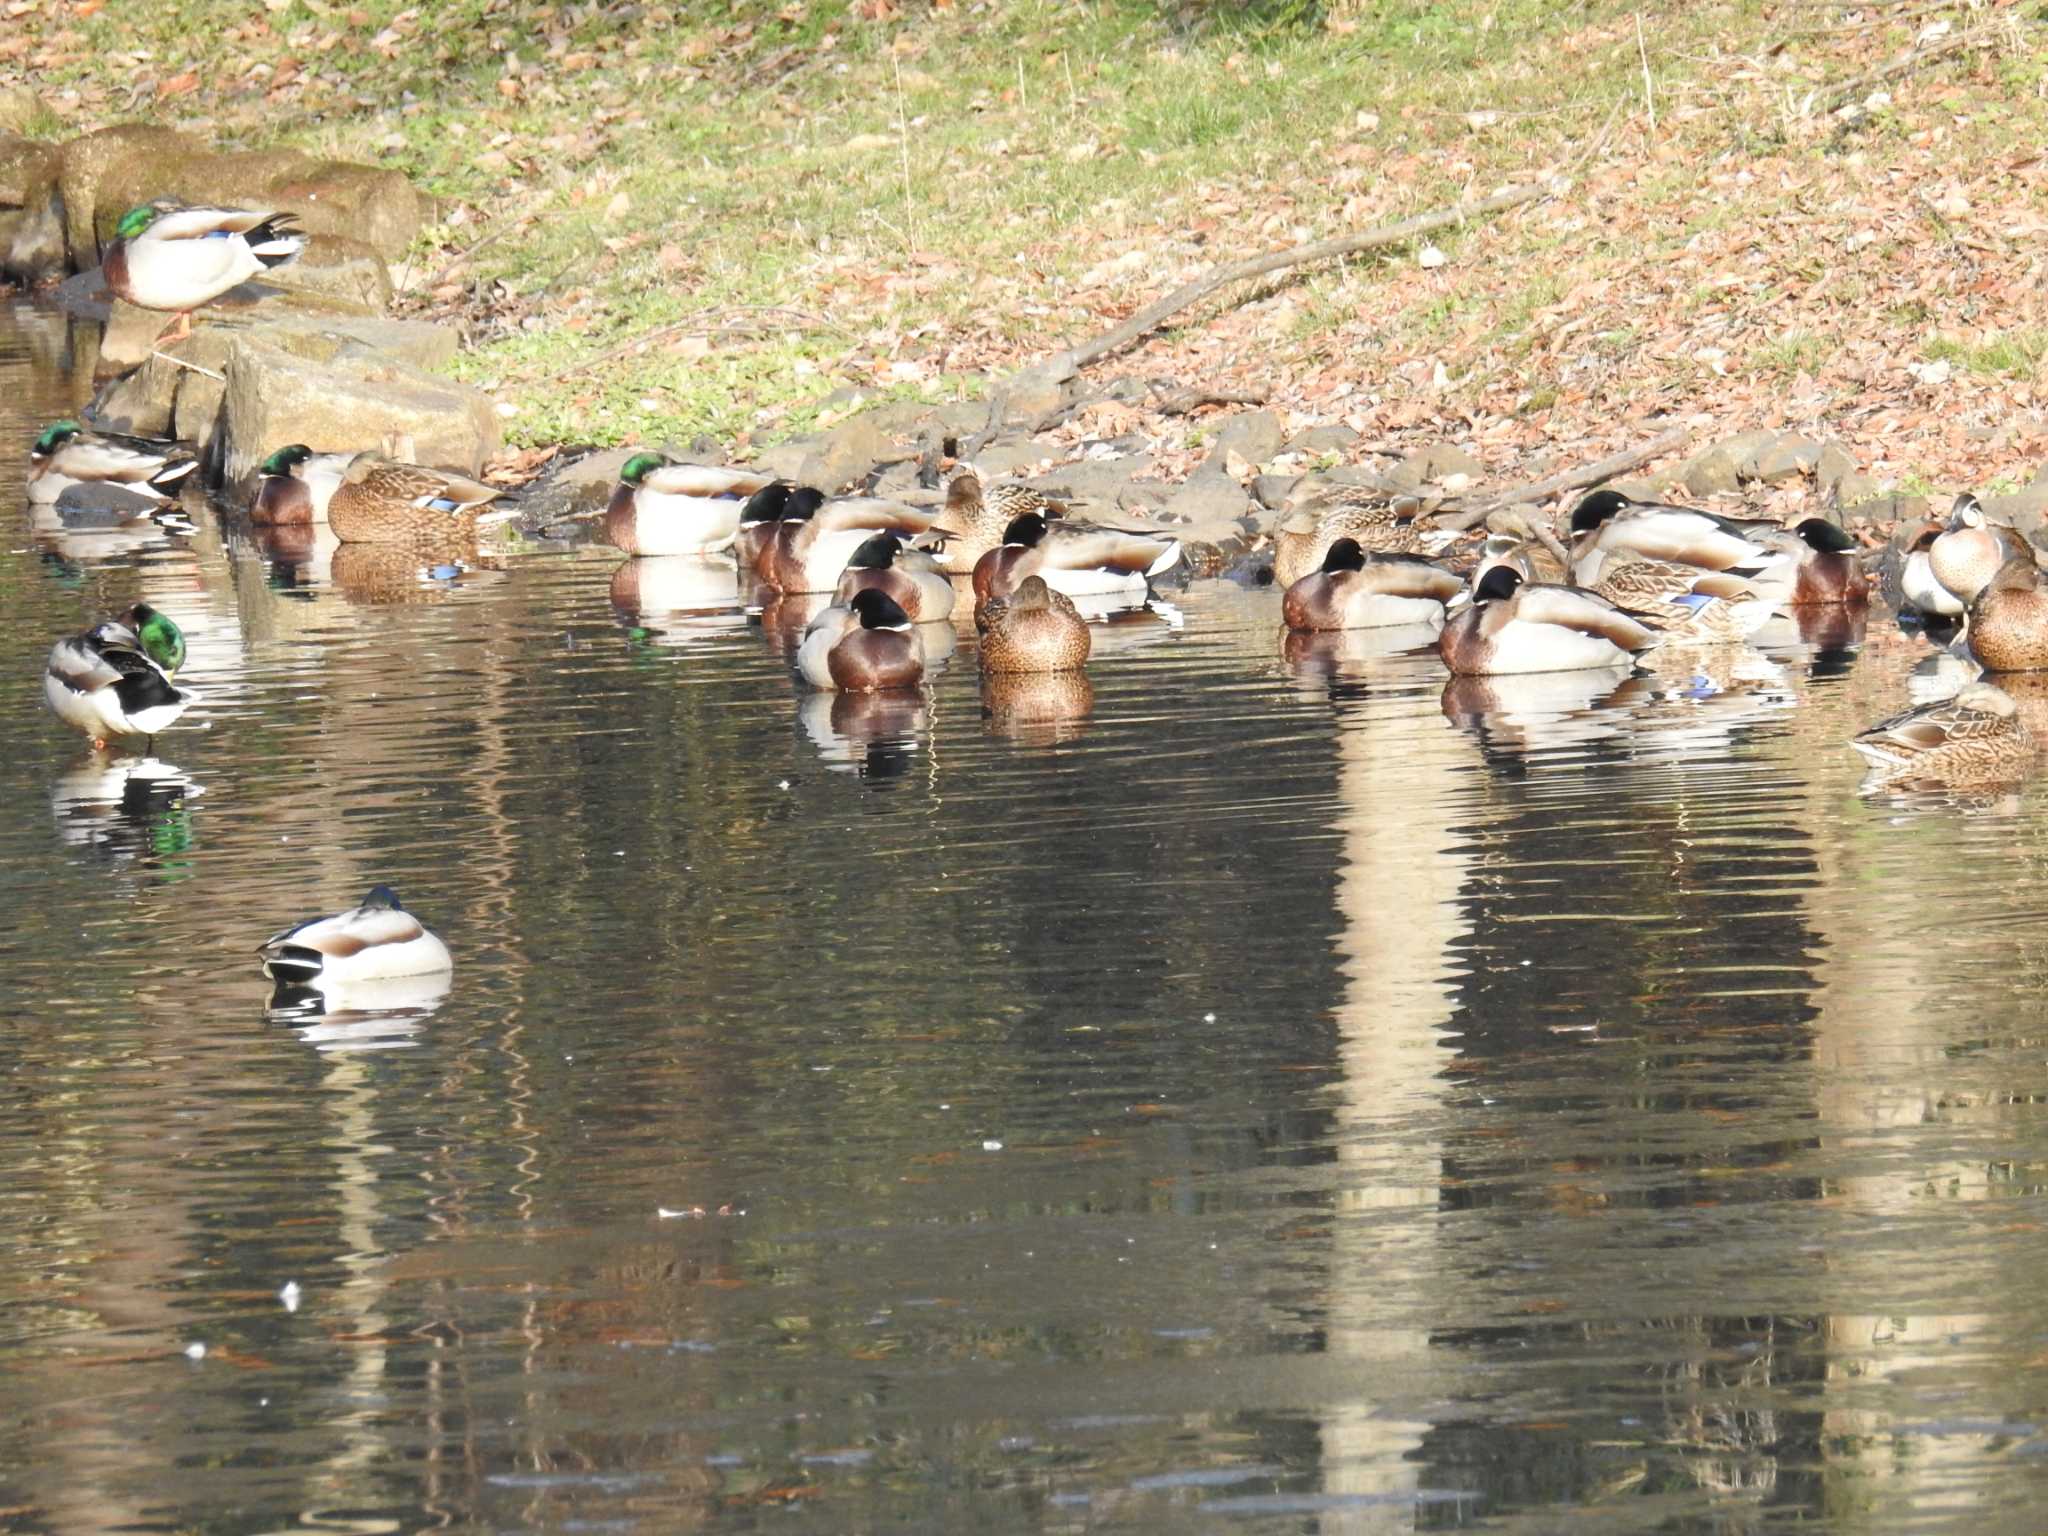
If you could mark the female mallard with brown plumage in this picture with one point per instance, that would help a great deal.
(1683, 602)
(2008, 623)
(1354, 590)
(884, 563)
(1375, 521)
(978, 516)
(1974, 738)
(381, 501)
(1517, 626)
(1034, 629)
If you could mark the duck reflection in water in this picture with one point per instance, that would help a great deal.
(1530, 714)
(873, 735)
(1037, 709)
(374, 1014)
(682, 598)
(127, 808)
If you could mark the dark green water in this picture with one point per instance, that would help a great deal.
(1286, 1098)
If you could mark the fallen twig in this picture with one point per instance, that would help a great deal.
(1904, 63)
(1063, 365)
(179, 362)
(1589, 475)
(1183, 402)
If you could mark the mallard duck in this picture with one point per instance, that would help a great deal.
(884, 563)
(759, 524)
(1512, 539)
(1971, 550)
(1824, 564)
(67, 454)
(1974, 738)
(115, 678)
(1034, 629)
(374, 941)
(1375, 521)
(296, 487)
(1609, 523)
(978, 515)
(660, 507)
(808, 554)
(1683, 602)
(1916, 587)
(1516, 626)
(1357, 591)
(165, 257)
(2008, 624)
(1079, 561)
(861, 646)
(381, 501)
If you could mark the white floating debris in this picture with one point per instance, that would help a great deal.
(782, 783)
(991, 1146)
(1430, 256)
(694, 1212)
(290, 1295)
(195, 1351)
(1208, 1018)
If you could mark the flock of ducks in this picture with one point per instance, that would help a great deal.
(1632, 576)
(1637, 575)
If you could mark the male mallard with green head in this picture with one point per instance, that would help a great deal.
(297, 485)
(1354, 590)
(66, 454)
(115, 678)
(166, 257)
(660, 507)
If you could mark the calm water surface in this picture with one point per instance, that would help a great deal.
(1275, 1094)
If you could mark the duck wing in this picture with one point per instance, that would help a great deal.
(1574, 608)
(706, 480)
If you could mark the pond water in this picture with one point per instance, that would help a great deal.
(1275, 1093)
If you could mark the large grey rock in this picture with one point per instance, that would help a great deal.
(1713, 472)
(1007, 456)
(2026, 510)
(1094, 486)
(31, 213)
(1440, 461)
(110, 154)
(848, 452)
(1789, 457)
(1254, 436)
(337, 267)
(1835, 462)
(1332, 437)
(1886, 508)
(788, 457)
(1744, 448)
(1273, 491)
(21, 109)
(1208, 496)
(1856, 489)
(581, 486)
(274, 397)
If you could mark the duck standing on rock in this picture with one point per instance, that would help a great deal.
(381, 501)
(1354, 590)
(167, 257)
(660, 507)
(66, 454)
(296, 487)
(115, 678)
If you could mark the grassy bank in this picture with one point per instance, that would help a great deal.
(901, 197)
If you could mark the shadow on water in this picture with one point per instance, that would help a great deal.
(1262, 1081)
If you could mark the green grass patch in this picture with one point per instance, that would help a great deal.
(2010, 354)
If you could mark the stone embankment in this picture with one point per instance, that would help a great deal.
(303, 355)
